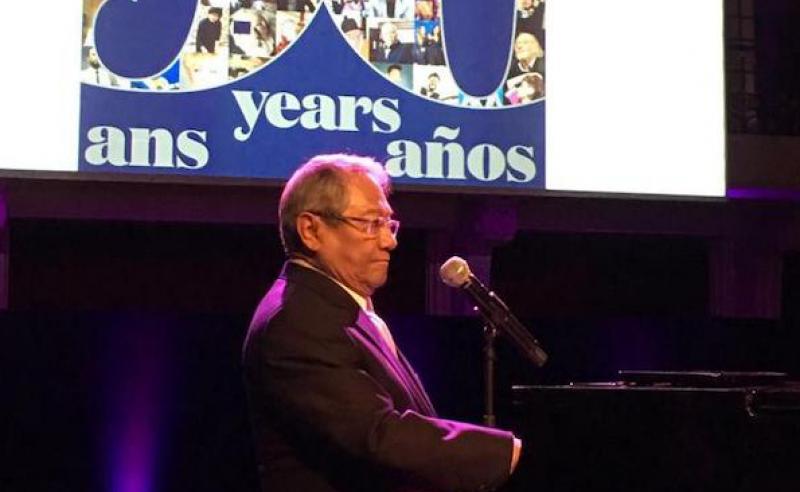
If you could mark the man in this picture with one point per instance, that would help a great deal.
(395, 74)
(335, 405)
(389, 48)
(528, 56)
(209, 31)
(433, 85)
(95, 72)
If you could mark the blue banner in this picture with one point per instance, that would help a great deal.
(442, 93)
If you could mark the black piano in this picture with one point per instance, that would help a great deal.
(660, 431)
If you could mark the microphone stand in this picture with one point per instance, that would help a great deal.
(497, 317)
(494, 320)
(489, 361)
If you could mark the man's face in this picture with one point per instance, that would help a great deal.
(355, 37)
(433, 83)
(352, 257)
(395, 75)
(213, 17)
(388, 34)
(524, 4)
(526, 47)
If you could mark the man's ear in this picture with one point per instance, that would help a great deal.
(308, 229)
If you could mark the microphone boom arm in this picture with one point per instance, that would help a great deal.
(496, 314)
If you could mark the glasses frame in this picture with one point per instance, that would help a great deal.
(370, 227)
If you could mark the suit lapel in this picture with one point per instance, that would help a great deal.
(336, 295)
(422, 394)
(399, 365)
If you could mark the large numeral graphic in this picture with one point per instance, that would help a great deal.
(477, 36)
(186, 44)
(140, 38)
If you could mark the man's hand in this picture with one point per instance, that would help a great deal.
(515, 455)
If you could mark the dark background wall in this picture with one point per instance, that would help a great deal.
(121, 350)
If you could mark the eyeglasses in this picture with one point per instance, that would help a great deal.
(370, 227)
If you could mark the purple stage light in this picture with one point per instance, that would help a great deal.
(777, 194)
(135, 389)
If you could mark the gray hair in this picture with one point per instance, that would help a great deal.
(321, 185)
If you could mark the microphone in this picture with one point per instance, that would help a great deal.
(455, 273)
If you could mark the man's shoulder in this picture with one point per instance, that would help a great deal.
(304, 299)
(295, 317)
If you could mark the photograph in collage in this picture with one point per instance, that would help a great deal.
(525, 81)
(288, 25)
(94, 72)
(391, 41)
(400, 74)
(92, 69)
(252, 38)
(355, 9)
(435, 82)
(204, 61)
(354, 32)
(390, 9)
(428, 48)
(305, 6)
(426, 10)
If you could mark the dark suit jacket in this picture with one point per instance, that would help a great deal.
(334, 410)
(398, 53)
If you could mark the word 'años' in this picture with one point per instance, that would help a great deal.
(447, 159)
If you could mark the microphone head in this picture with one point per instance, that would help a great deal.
(455, 272)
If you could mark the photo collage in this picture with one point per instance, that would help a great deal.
(228, 40)
(402, 39)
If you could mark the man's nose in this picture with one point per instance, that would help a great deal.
(387, 240)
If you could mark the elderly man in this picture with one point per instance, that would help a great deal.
(389, 48)
(335, 404)
(528, 56)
